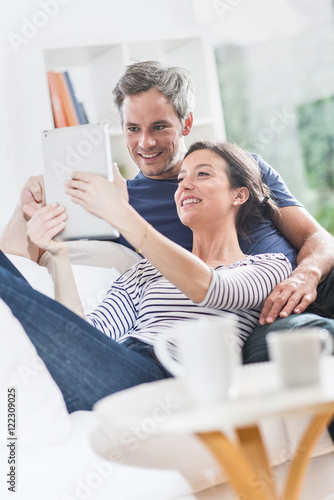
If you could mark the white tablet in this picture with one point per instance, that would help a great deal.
(84, 148)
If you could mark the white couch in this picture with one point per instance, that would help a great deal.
(55, 460)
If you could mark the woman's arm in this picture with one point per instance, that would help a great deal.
(315, 260)
(43, 226)
(109, 200)
(247, 286)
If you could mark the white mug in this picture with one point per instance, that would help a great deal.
(210, 356)
(297, 354)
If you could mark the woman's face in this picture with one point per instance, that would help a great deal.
(204, 193)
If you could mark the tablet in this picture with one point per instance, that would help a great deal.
(84, 148)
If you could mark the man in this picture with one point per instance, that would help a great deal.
(156, 111)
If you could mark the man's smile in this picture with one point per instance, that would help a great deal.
(149, 156)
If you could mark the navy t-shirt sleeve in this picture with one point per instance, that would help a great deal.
(277, 186)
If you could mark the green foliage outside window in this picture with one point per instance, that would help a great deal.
(316, 134)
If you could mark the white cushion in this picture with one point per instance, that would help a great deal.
(95, 265)
(38, 276)
(96, 254)
(93, 283)
(102, 254)
(295, 428)
(41, 412)
(71, 470)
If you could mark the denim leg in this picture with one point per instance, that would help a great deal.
(85, 364)
(320, 313)
(255, 348)
(324, 303)
(7, 264)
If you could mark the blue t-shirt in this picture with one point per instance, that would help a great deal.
(154, 200)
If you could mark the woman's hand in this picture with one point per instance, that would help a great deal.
(44, 224)
(99, 196)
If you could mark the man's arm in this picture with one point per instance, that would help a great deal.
(14, 239)
(314, 262)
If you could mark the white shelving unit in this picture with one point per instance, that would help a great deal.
(94, 70)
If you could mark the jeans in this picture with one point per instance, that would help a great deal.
(319, 314)
(85, 364)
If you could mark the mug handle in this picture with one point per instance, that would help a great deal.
(327, 342)
(164, 356)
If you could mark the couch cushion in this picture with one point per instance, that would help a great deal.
(97, 254)
(38, 276)
(95, 265)
(41, 412)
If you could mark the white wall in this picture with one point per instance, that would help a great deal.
(232, 21)
(68, 21)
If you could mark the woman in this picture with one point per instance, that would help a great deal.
(219, 193)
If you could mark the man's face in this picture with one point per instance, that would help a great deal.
(154, 134)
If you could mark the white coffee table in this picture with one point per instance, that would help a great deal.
(230, 430)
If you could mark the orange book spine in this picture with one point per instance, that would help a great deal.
(58, 110)
(70, 112)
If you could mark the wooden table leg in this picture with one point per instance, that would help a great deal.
(252, 444)
(238, 467)
(299, 464)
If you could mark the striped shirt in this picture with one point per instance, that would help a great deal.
(143, 304)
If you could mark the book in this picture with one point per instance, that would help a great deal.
(64, 91)
(58, 110)
(83, 111)
(78, 105)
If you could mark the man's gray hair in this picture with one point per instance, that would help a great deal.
(173, 82)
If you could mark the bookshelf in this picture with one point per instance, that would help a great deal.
(94, 69)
